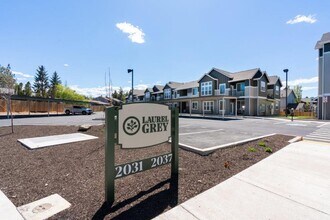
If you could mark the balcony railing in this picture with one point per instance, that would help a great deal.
(189, 95)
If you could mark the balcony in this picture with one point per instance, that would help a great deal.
(227, 92)
(189, 95)
(251, 91)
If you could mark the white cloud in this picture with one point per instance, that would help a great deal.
(135, 34)
(101, 90)
(304, 81)
(66, 65)
(308, 88)
(21, 74)
(302, 18)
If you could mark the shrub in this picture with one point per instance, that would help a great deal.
(262, 144)
(268, 150)
(252, 149)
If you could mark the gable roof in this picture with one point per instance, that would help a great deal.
(157, 88)
(148, 90)
(289, 92)
(138, 92)
(325, 39)
(244, 75)
(206, 75)
(223, 72)
(273, 80)
(173, 85)
(263, 73)
(188, 85)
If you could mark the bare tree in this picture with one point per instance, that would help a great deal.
(7, 85)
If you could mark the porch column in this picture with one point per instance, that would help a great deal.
(236, 108)
(190, 107)
(203, 107)
(224, 109)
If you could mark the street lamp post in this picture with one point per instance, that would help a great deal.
(131, 71)
(286, 92)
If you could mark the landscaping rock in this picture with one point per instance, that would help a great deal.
(84, 127)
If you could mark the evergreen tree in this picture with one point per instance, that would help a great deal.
(19, 89)
(54, 81)
(28, 89)
(121, 94)
(41, 84)
(115, 94)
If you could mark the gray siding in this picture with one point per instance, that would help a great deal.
(261, 93)
(221, 78)
(326, 73)
(320, 74)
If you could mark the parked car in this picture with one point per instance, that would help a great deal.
(78, 110)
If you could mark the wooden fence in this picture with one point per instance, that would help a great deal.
(298, 113)
(23, 106)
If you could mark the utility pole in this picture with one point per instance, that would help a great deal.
(286, 92)
(131, 71)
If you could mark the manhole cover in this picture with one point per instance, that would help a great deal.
(42, 208)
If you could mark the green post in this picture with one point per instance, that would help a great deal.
(175, 154)
(111, 126)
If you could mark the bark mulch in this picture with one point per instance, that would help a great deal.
(76, 172)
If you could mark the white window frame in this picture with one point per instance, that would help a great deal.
(240, 87)
(206, 88)
(192, 105)
(224, 91)
(277, 90)
(262, 86)
(207, 106)
(167, 93)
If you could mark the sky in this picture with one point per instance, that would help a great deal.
(161, 40)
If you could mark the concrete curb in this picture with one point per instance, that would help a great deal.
(295, 139)
(209, 150)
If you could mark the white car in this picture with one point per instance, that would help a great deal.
(78, 110)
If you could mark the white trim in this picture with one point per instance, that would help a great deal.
(208, 82)
(209, 105)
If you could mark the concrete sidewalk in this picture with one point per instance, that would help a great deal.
(294, 183)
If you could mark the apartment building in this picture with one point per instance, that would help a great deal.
(323, 47)
(219, 92)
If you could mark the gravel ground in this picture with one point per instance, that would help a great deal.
(76, 172)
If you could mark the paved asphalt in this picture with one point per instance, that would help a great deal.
(200, 133)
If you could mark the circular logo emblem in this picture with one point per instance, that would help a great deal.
(131, 125)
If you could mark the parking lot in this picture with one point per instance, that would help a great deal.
(204, 133)
(197, 133)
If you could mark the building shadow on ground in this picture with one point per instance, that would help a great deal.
(152, 206)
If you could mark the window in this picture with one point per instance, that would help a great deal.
(195, 91)
(206, 88)
(276, 106)
(321, 52)
(326, 47)
(277, 90)
(167, 93)
(208, 106)
(194, 106)
(147, 95)
(263, 86)
(240, 87)
(222, 88)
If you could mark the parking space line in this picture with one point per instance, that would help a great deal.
(201, 132)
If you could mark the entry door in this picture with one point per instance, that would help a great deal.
(232, 108)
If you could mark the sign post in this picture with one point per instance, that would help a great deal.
(135, 126)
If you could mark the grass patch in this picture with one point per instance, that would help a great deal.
(268, 150)
(262, 144)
